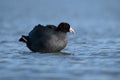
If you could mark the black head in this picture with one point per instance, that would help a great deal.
(63, 27)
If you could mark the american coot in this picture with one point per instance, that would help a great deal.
(47, 38)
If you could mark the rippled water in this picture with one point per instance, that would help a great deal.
(93, 53)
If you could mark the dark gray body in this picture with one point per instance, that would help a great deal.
(47, 39)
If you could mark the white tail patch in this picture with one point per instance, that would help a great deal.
(24, 39)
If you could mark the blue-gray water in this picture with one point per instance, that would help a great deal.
(94, 49)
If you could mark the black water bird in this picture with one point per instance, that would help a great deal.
(47, 38)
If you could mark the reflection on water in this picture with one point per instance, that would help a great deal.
(93, 53)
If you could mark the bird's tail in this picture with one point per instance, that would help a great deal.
(24, 39)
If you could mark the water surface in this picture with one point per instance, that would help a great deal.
(94, 51)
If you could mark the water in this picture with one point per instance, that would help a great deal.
(94, 49)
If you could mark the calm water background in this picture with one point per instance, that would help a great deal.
(94, 49)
